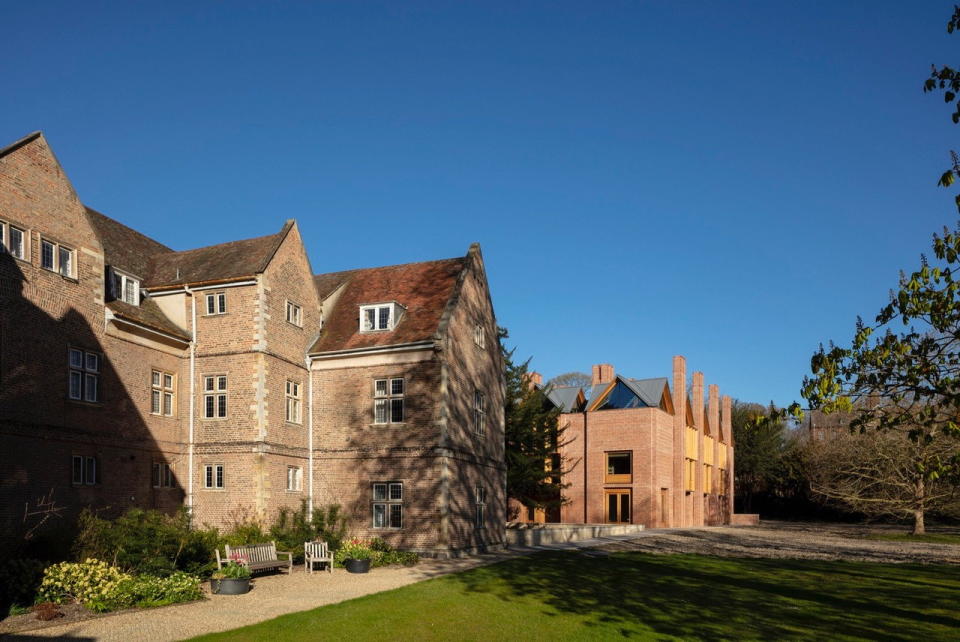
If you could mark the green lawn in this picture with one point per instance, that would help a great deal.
(928, 538)
(552, 596)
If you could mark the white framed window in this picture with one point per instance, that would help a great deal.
(294, 314)
(126, 288)
(216, 303)
(388, 401)
(85, 471)
(480, 506)
(479, 413)
(479, 336)
(13, 240)
(388, 505)
(162, 475)
(294, 402)
(213, 476)
(382, 316)
(294, 478)
(161, 393)
(57, 258)
(215, 396)
(84, 375)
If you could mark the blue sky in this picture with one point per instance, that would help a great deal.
(734, 182)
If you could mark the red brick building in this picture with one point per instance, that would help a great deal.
(643, 451)
(234, 380)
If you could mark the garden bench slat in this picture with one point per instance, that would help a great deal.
(259, 556)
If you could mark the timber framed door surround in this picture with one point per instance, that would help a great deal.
(617, 505)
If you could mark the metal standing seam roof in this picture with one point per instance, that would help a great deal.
(650, 391)
(563, 397)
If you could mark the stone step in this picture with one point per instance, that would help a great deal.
(541, 534)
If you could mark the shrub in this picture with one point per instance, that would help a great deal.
(19, 580)
(353, 549)
(83, 582)
(376, 550)
(147, 542)
(148, 591)
(290, 529)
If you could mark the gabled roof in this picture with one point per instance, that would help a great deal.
(124, 248)
(327, 283)
(566, 398)
(213, 263)
(650, 392)
(148, 314)
(423, 289)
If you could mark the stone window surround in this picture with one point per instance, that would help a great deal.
(160, 391)
(214, 477)
(5, 235)
(390, 502)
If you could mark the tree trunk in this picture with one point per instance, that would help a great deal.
(918, 526)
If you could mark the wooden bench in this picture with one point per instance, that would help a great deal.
(314, 552)
(258, 557)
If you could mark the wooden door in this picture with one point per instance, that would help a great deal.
(618, 506)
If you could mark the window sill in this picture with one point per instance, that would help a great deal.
(376, 331)
(216, 490)
(299, 326)
(297, 424)
(162, 416)
(293, 492)
(88, 404)
(214, 418)
(399, 424)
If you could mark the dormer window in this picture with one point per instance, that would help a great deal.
(126, 288)
(382, 316)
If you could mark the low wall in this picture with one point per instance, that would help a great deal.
(744, 519)
(537, 534)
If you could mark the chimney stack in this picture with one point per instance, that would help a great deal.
(602, 373)
(534, 379)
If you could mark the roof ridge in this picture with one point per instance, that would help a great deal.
(396, 265)
(210, 247)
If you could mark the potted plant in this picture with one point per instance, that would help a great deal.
(232, 579)
(355, 556)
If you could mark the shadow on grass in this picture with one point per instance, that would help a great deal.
(705, 597)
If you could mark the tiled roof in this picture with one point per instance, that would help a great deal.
(124, 248)
(327, 283)
(215, 262)
(423, 289)
(148, 313)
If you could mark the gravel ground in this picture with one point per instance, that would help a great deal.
(276, 595)
(789, 540)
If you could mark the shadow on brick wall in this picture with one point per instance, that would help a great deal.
(59, 456)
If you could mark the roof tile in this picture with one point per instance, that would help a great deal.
(423, 289)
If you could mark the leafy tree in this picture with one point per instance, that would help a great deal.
(947, 80)
(759, 448)
(901, 374)
(577, 379)
(533, 438)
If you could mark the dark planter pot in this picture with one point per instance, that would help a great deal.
(230, 586)
(357, 566)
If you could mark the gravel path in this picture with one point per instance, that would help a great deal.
(279, 594)
(788, 540)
